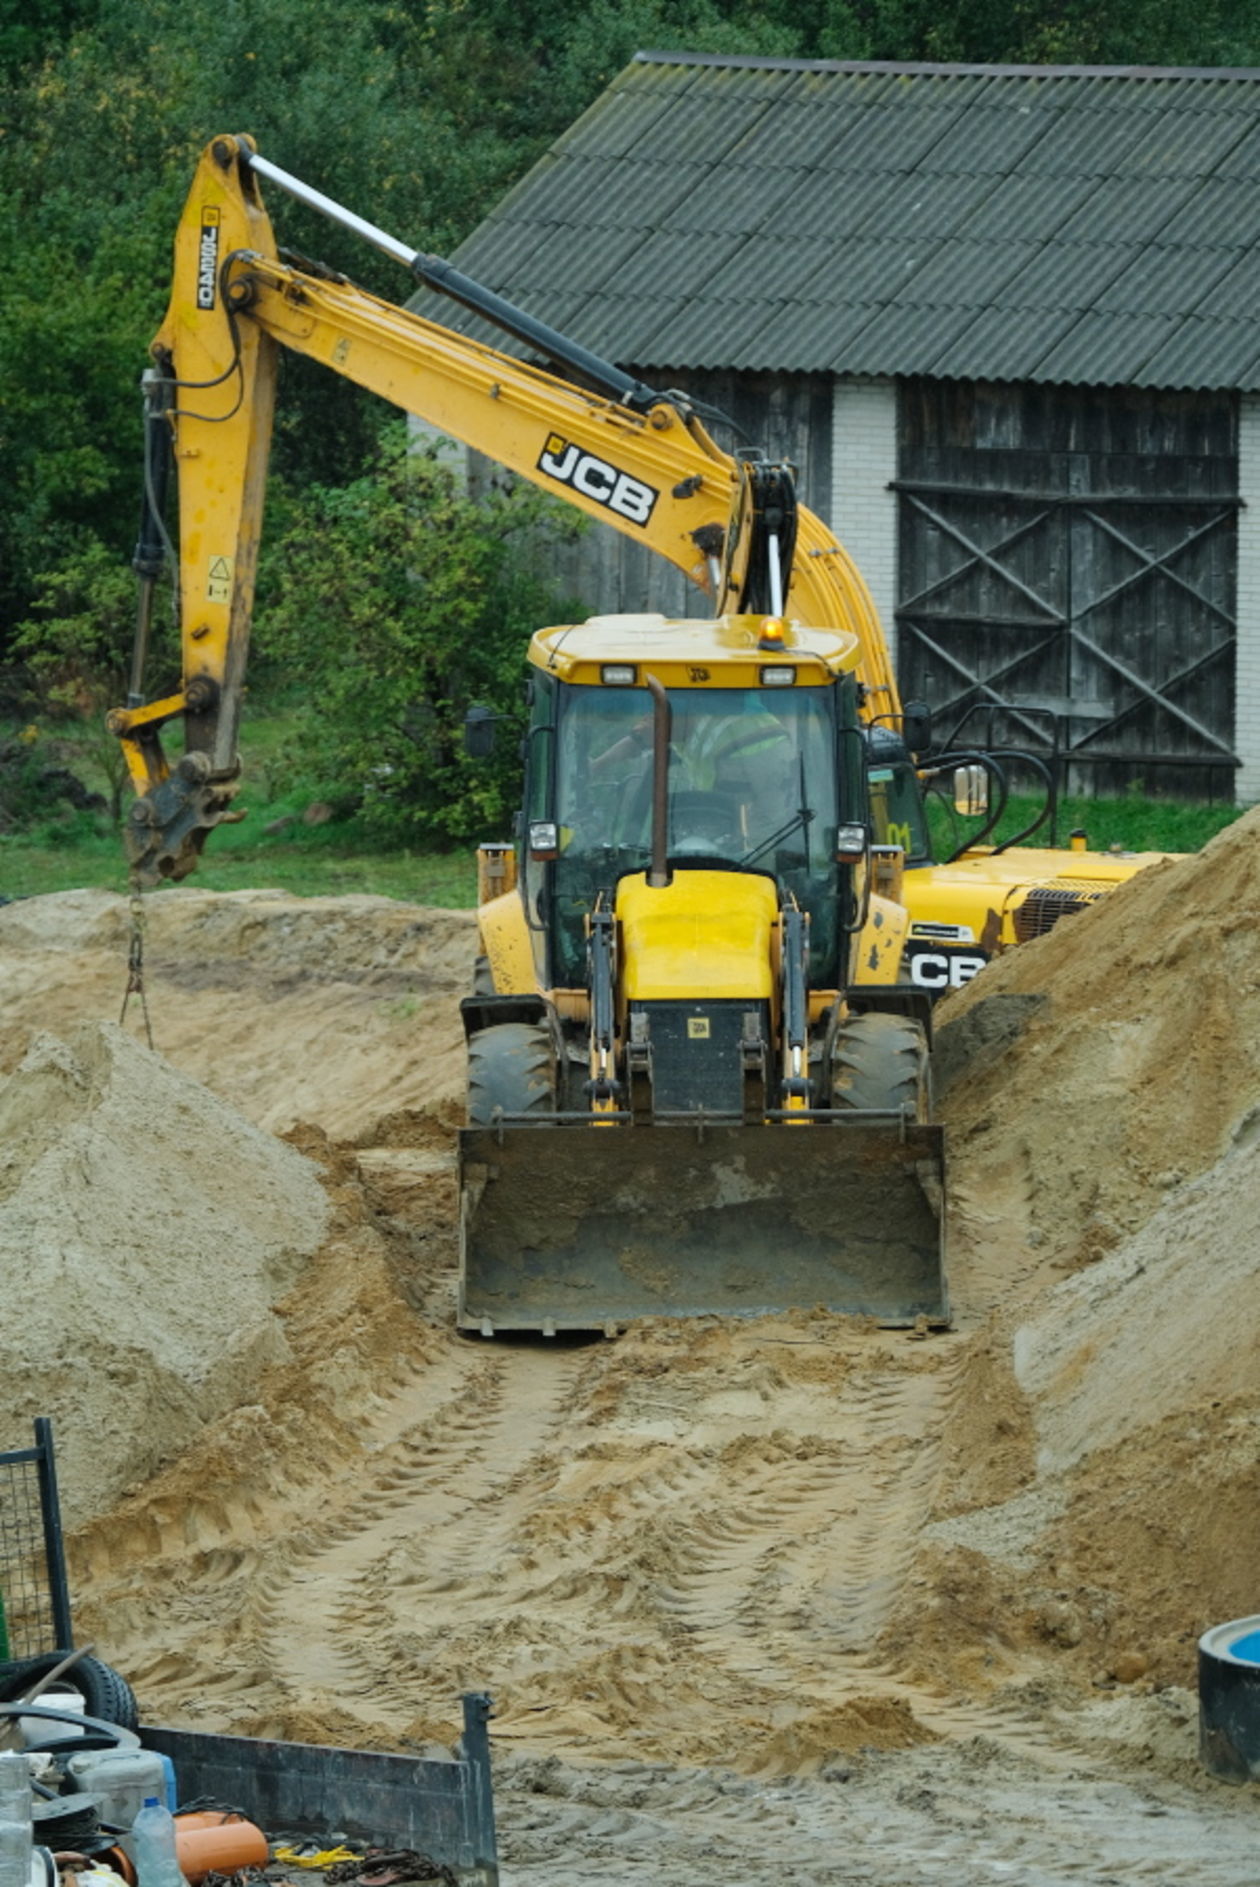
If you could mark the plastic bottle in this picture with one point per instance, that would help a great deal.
(153, 1846)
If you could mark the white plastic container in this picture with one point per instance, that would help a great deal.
(120, 1780)
(43, 1729)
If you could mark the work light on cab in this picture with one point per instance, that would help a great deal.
(776, 677)
(619, 674)
(544, 840)
(850, 844)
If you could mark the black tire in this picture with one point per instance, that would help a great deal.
(106, 1694)
(511, 1068)
(881, 1061)
(483, 978)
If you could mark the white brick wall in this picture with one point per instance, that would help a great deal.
(1247, 687)
(863, 510)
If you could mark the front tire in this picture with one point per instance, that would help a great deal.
(511, 1070)
(881, 1062)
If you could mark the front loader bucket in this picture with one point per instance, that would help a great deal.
(577, 1227)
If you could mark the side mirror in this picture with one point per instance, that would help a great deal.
(971, 790)
(916, 726)
(479, 731)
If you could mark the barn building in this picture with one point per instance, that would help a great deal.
(1004, 322)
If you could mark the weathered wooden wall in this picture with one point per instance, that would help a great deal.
(1074, 548)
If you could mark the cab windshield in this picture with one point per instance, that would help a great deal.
(752, 783)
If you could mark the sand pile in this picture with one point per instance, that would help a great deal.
(1089, 1074)
(146, 1231)
(336, 1010)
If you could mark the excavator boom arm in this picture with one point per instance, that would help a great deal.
(626, 455)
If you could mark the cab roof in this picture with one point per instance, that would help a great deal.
(692, 652)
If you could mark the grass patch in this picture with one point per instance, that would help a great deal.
(1128, 824)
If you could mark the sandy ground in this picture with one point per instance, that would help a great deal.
(790, 1599)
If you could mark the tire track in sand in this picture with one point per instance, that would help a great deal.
(328, 1609)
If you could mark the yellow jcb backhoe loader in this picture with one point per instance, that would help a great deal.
(697, 1083)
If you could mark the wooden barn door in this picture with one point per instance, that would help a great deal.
(1066, 576)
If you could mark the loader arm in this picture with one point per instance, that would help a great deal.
(625, 454)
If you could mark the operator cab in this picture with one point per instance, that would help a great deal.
(761, 775)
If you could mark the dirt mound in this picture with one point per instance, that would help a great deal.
(152, 1230)
(336, 1010)
(1088, 1074)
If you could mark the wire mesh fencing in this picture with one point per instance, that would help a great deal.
(34, 1594)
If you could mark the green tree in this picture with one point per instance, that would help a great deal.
(397, 601)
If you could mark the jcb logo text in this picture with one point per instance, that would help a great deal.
(943, 969)
(208, 258)
(629, 497)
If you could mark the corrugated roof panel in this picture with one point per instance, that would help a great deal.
(1124, 209)
(1082, 143)
(778, 271)
(989, 140)
(1236, 294)
(808, 333)
(1184, 144)
(887, 137)
(966, 274)
(708, 131)
(1166, 281)
(794, 331)
(916, 205)
(1220, 213)
(792, 139)
(614, 190)
(669, 263)
(999, 345)
(910, 339)
(717, 198)
(702, 332)
(621, 332)
(1026, 207)
(618, 125)
(1067, 275)
(831, 203)
(1204, 353)
(869, 268)
(1242, 160)
(1105, 349)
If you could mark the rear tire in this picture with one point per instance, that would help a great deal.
(106, 1693)
(881, 1061)
(511, 1069)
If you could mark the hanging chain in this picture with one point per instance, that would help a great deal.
(135, 958)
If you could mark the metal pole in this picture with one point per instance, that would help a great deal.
(659, 874)
(54, 1545)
